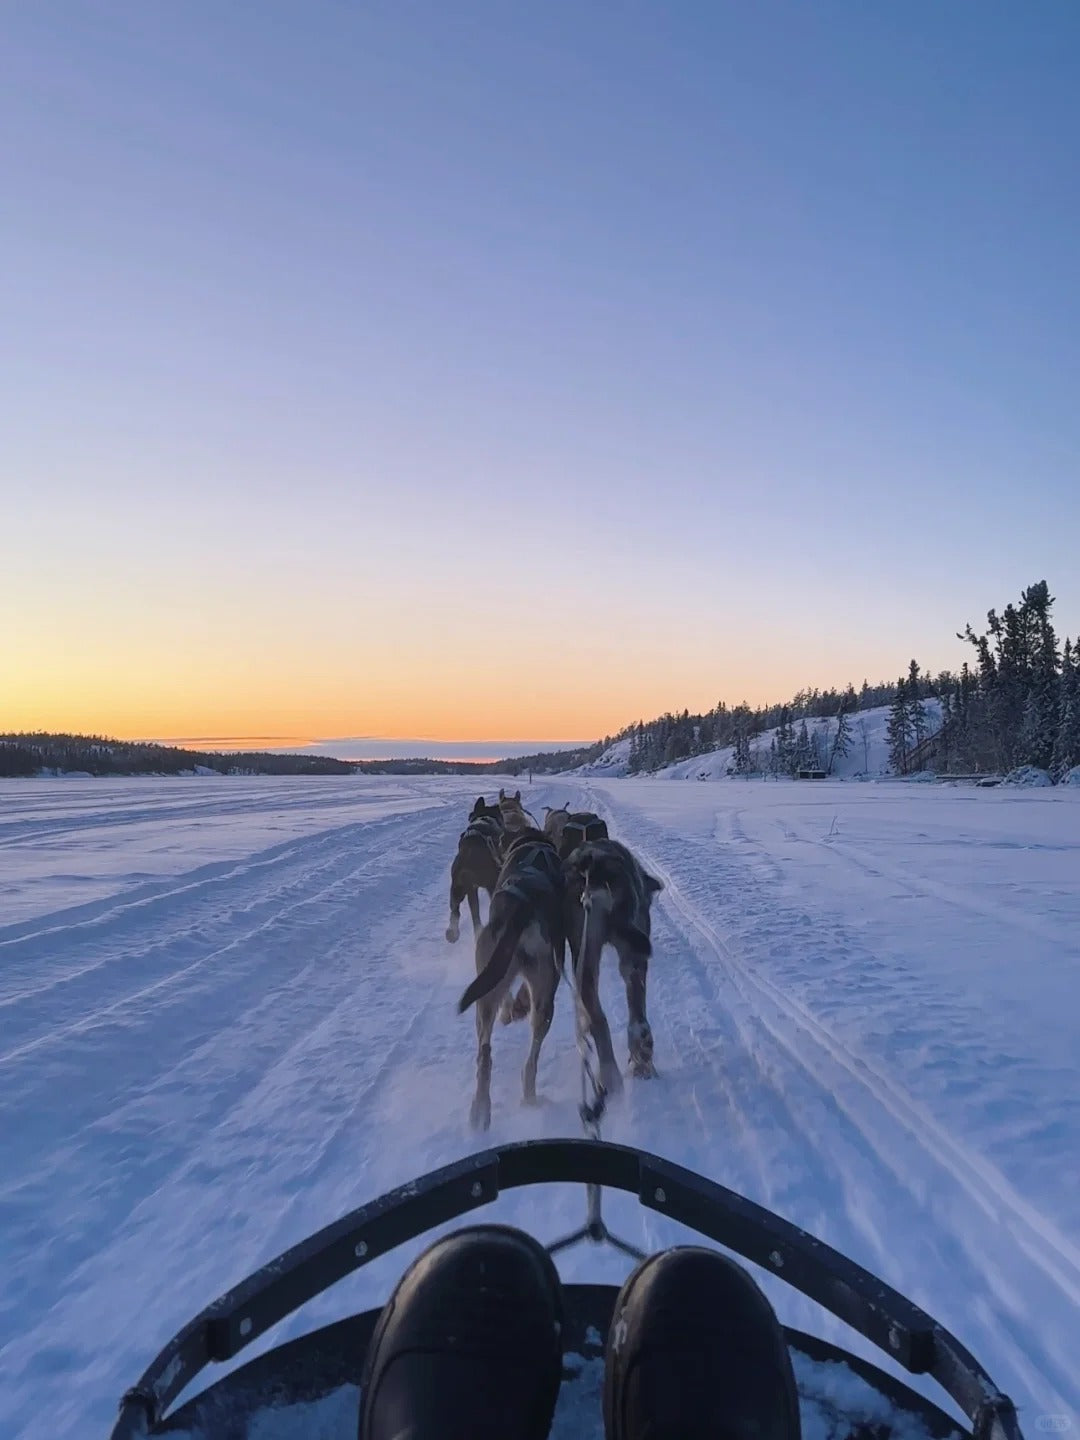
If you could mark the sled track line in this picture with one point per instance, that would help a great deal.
(1052, 1252)
(106, 911)
(90, 1021)
(984, 909)
(191, 884)
(16, 832)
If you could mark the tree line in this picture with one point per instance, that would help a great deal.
(27, 754)
(1018, 705)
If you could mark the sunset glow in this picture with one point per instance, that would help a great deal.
(384, 374)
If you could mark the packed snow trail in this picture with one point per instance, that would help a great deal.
(199, 1069)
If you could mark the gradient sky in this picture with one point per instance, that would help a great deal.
(462, 370)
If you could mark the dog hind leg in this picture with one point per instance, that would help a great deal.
(542, 999)
(634, 969)
(480, 1113)
(588, 983)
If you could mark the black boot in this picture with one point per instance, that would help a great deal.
(469, 1345)
(695, 1350)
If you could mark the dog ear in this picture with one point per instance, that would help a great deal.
(517, 794)
(502, 793)
(652, 885)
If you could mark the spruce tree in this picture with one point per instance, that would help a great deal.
(899, 730)
(804, 753)
(842, 739)
(916, 709)
(1042, 707)
(785, 744)
(1066, 751)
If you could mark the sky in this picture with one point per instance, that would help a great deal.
(411, 369)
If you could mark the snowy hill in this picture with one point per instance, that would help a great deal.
(613, 763)
(868, 754)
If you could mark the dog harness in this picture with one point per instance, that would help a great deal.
(486, 829)
(579, 832)
(540, 862)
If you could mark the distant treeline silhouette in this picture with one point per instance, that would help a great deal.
(32, 753)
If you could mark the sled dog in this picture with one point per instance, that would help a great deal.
(524, 936)
(608, 902)
(476, 865)
(514, 815)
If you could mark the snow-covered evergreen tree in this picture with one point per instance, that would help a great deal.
(819, 742)
(917, 719)
(1066, 751)
(804, 751)
(841, 744)
(742, 763)
(785, 743)
(899, 730)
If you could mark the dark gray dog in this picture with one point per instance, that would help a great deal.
(476, 865)
(524, 936)
(606, 884)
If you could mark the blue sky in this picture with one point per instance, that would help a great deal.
(478, 369)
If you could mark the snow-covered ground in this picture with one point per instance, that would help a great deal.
(227, 1015)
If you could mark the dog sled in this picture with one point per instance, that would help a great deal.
(858, 1399)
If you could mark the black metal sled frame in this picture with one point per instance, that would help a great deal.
(879, 1313)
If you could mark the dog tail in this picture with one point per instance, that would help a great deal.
(496, 968)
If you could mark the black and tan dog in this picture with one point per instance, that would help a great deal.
(476, 865)
(524, 937)
(608, 902)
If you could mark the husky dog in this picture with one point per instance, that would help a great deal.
(569, 829)
(524, 936)
(476, 864)
(514, 815)
(609, 897)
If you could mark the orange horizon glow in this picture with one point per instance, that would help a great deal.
(505, 723)
(561, 716)
(247, 656)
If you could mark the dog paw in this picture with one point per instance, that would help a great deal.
(480, 1114)
(452, 934)
(643, 1070)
